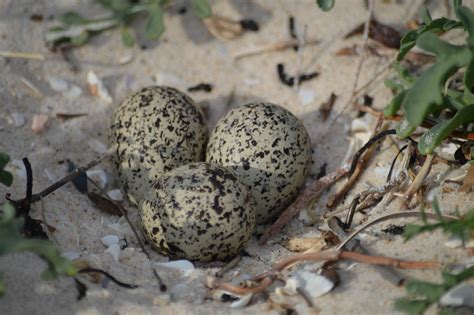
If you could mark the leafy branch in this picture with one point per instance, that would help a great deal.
(11, 241)
(422, 294)
(77, 30)
(426, 96)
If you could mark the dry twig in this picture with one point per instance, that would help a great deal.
(310, 192)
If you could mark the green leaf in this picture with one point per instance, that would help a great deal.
(426, 16)
(440, 25)
(80, 39)
(466, 16)
(127, 37)
(201, 8)
(118, 6)
(431, 291)
(154, 25)
(325, 5)
(4, 158)
(411, 307)
(426, 94)
(6, 178)
(72, 18)
(405, 128)
(392, 108)
(433, 137)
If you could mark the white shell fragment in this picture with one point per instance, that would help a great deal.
(460, 295)
(115, 194)
(312, 284)
(114, 250)
(109, 240)
(38, 125)
(98, 176)
(306, 96)
(97, 88)
(64, 87)
(183, 265)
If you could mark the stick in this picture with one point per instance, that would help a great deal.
(312, 191)
(71, 176)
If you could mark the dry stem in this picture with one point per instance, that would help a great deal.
(310, 192)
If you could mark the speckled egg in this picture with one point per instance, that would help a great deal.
(155, 130)
(268, 149)
(199, 212)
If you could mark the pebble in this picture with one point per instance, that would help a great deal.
(306, 96)
(97, 146)
(115, 194)
(114, 250)
(460, 295)
(18, 119)
(453, 242)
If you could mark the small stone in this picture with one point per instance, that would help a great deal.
(38, 125)
(57, 84)
(18, 119)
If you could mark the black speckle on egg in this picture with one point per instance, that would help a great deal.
(268, 149)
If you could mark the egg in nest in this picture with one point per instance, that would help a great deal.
(268, 149)
(199, 212)
(155, 130)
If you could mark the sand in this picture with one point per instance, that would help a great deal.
(184, 56)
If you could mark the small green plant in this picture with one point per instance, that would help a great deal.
(462, 228)
(6, 177)
(429, 96)
(423, 294)
(11, 241)
(77, 30)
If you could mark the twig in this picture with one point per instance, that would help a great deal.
(366, 146)
(71, 176)
(33, 88)
(392, 216)
(301, 46)
(359, 66)
(335, 199)
(312, 191)
(354, 245)
(267, 278)
(228, 266)
(286, 44)
(21, 55)
(109, 276)
(420, 177)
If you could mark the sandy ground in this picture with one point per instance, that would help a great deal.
(186, 55)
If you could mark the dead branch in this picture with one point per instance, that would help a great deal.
(310, 192)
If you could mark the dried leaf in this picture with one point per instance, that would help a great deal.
(347, 51)
(468, 180)
(382, 33)
(66, 116)
(326, 107)
(222, 27)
